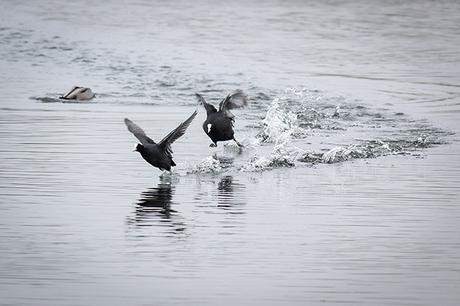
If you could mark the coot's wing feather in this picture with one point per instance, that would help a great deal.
(166, 142)
(138, 132)
(236, 99)
(209, 107)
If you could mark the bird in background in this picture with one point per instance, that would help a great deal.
(159, 154)
(219, 123)
(78, 93)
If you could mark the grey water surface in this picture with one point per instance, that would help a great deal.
(347, 191)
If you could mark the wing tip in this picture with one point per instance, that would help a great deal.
(189, 120)
(200, 98)
(241, 95)
(236, 99)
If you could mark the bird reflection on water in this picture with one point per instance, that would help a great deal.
(159, 197)
(229, 194)
(153, 208)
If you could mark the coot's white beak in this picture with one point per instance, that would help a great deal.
(135, 148)
(209, 127)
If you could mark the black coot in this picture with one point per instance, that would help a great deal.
(158, 154)
(219, 123)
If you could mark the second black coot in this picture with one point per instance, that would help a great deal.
(219, 123)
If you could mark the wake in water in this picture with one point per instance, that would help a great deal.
(307, 127)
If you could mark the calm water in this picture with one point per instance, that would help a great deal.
(347, 191)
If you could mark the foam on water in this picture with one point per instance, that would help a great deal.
(208, 165)
(281, 156)
(373, 149)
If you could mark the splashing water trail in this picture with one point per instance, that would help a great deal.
(279, 123)
(208, 165)
(309, 126)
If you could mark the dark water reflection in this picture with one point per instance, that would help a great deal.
(230, 195)
(153, 208)
(160, 197)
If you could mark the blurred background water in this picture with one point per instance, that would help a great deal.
(346, 192)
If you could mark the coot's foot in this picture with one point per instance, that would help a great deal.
(165, 175)
(239, 144)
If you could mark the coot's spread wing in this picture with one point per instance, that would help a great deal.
(209, 107)
(166, 142)
(138, 132)
(236, 99)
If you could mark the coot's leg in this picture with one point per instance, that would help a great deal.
(165, 177)
(239, 144)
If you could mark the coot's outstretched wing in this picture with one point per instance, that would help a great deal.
(138, 132)
(166, 142)
(236, 99)
(209, 107)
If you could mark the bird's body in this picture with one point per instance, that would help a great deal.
(155, 156)
(218, 127)
(78, 93)
(219, 123)
(159, 154)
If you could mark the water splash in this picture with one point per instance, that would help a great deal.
(371, 149)
(279, 123)
(208, 165)
(282, 155)
(299, 114)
